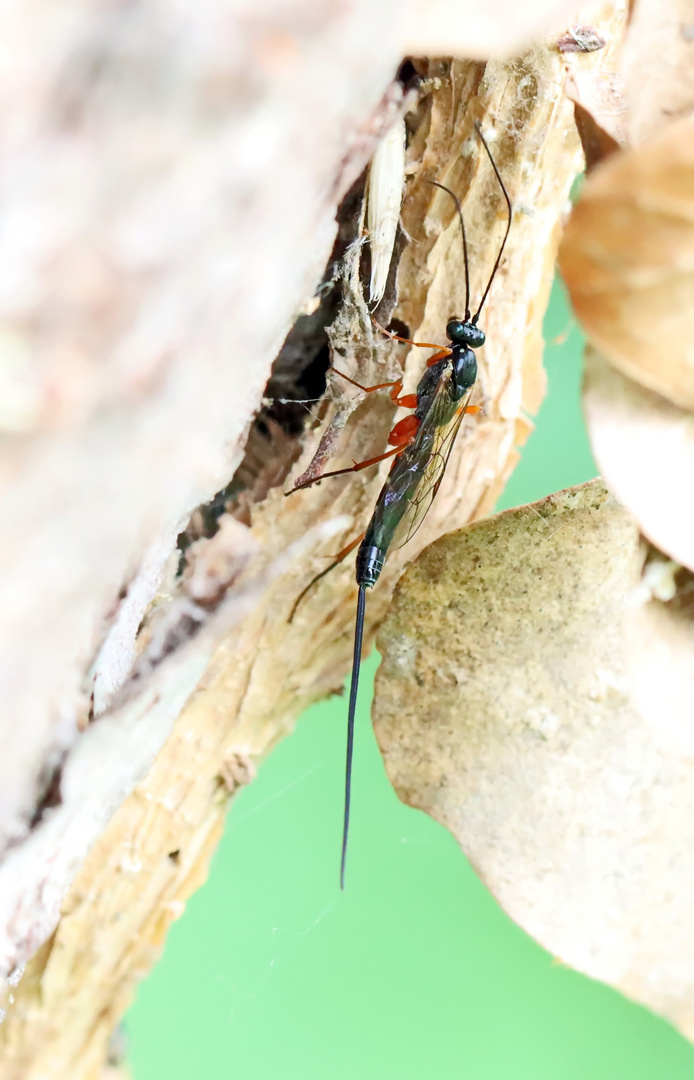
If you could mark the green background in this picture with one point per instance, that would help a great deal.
(414, 972)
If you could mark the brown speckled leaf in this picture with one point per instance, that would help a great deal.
(503, 710)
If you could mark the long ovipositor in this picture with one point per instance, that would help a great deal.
(443, 394)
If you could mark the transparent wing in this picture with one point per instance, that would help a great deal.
(438, 443)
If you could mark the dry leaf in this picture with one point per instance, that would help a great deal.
(627, 257)
(657, 64)
(644, 447)
(599, 113)
(502, 710)
(659, 651)
(595, 87)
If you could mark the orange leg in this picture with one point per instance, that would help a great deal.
(408, 341)
(341, 555)
(336, 562)
(356, 467)
(404, 431)
(407, 401)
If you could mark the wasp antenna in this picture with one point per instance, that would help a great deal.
(478, 129)
(459, 208)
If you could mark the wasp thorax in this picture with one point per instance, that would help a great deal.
(465, 333)
(463, 371)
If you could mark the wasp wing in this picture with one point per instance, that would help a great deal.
(436, 436)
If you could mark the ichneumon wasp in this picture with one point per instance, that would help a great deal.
(421, 445)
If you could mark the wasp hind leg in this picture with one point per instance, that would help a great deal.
(340, 557)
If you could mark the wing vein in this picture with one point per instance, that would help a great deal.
(442, 439)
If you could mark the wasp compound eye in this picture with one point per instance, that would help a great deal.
(464, 333)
